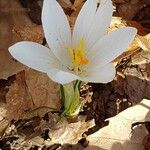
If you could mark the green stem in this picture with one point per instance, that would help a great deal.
(71, 98)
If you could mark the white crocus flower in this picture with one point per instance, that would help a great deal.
(84, 54)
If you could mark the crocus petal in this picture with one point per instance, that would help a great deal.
(34, 55)
(100, 23)
(60, 76)
(100, 74)
(111, 46)
(84, 21)
(56, 29)
(92, 22)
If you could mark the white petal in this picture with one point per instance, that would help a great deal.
(60, 76)
(92, 23)
(100, 23)
(56, 29)
(84, 21)
(34, 55)
(99, 74)
(111, 46)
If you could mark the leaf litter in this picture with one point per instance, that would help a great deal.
(27, 129)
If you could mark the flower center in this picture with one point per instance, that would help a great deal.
(78, 56)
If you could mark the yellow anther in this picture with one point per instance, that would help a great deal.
(80, 59)
(78, 56)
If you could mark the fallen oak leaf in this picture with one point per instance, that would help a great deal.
(118, 134)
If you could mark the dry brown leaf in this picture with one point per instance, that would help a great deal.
(2, 111)
(3, 121)
(71, 133)
(118, 135)
(14, 26)
(76, 7)
(142, 58)
(144, 42)
(31, 90)
(78, 3)
(65, 3)
(118, 22)
(60, 131)
(3, 126)
(128, 8)
(119, 1)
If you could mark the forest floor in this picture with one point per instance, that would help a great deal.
(110, 110)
